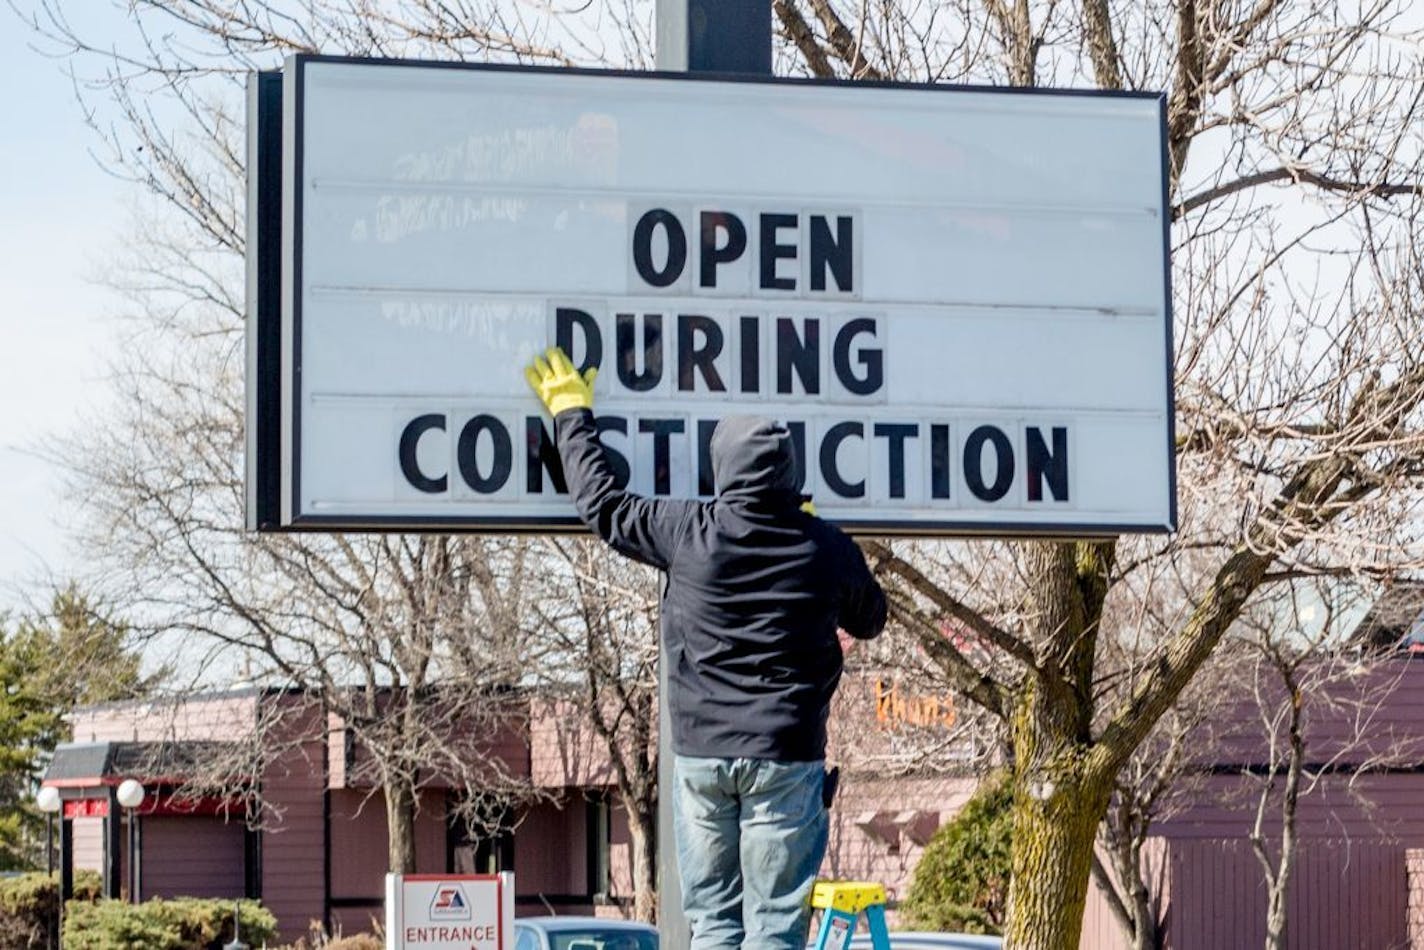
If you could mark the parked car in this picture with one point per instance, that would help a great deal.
(583, 933)
(596, 933)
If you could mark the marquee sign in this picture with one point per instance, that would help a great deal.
(956, 298)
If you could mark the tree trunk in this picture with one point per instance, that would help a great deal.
(642, 832)
(1052, 858)
(1276, 914)
(1147, 935)
(1060, 792)
(1126, 892)
(1277, 919)
(400, 826)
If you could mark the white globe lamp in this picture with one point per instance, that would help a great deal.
(131, 793)
(48, 800)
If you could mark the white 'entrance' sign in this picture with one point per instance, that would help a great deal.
(450, 911)
(958, 299)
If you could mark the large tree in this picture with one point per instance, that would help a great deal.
(1295, 198)
(410, 642)
(597, 616)
(1295, 189)
(73, 654)
(1295, 184)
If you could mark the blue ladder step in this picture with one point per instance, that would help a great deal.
(842, 903)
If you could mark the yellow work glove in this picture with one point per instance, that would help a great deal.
(558, 384)
(809, 507)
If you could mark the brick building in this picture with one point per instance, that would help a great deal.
(320, 852)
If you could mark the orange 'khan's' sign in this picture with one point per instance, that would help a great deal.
(896, 708)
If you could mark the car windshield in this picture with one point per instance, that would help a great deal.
(601, 940)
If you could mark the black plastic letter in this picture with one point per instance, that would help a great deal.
(974, 463)
(939, 461)
(643, 248)
(467, 458)
(625, 340)
(751, 354)
(565, 319)
(837, 434)
(541, 455)
(622, 473)
(706, 485)
(799, 352)
(896, 433)
(771, 251)
(833, 254)
(711, 255)
(1045, 466)
(662, 430)
(410, 465)
(690, 356)
(872, 360)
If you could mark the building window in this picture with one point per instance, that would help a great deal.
(600, 833)
(486, 847)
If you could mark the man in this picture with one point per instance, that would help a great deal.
(756, 589)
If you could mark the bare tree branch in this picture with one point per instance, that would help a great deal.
(1355, 189)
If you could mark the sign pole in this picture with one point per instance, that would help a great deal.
(715, 36)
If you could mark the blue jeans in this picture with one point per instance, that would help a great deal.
(751, 834)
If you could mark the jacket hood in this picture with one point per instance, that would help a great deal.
(754, 456)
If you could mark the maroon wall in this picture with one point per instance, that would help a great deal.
(192, 857)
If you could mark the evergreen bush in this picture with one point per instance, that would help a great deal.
(182, 923)
(29, 905)
(962, 880)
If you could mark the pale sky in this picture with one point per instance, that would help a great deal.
(61, 216)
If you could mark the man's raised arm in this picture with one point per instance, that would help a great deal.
(645, 529)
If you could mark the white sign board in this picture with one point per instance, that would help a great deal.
(956, 298)
(450, 911)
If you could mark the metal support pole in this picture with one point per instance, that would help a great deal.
(135, 845)
(672, 923)
(723, 36)
(66, 874)
(113, 846)
(714, 36)
(53, 937)
(66, 858)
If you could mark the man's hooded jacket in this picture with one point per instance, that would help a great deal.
(755, 589)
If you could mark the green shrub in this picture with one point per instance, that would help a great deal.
(962, 880)
(183, 923)
(28, 905)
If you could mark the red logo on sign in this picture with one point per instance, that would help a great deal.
(450, 903)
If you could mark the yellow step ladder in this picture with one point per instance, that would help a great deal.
(842, 903)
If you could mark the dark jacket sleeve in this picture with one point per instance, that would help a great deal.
(863, 605)
(646, 529)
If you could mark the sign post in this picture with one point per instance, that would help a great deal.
(450, 911)
(728, 36)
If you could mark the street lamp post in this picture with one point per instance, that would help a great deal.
(131, 794)
(236, 943)
(47, 800)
